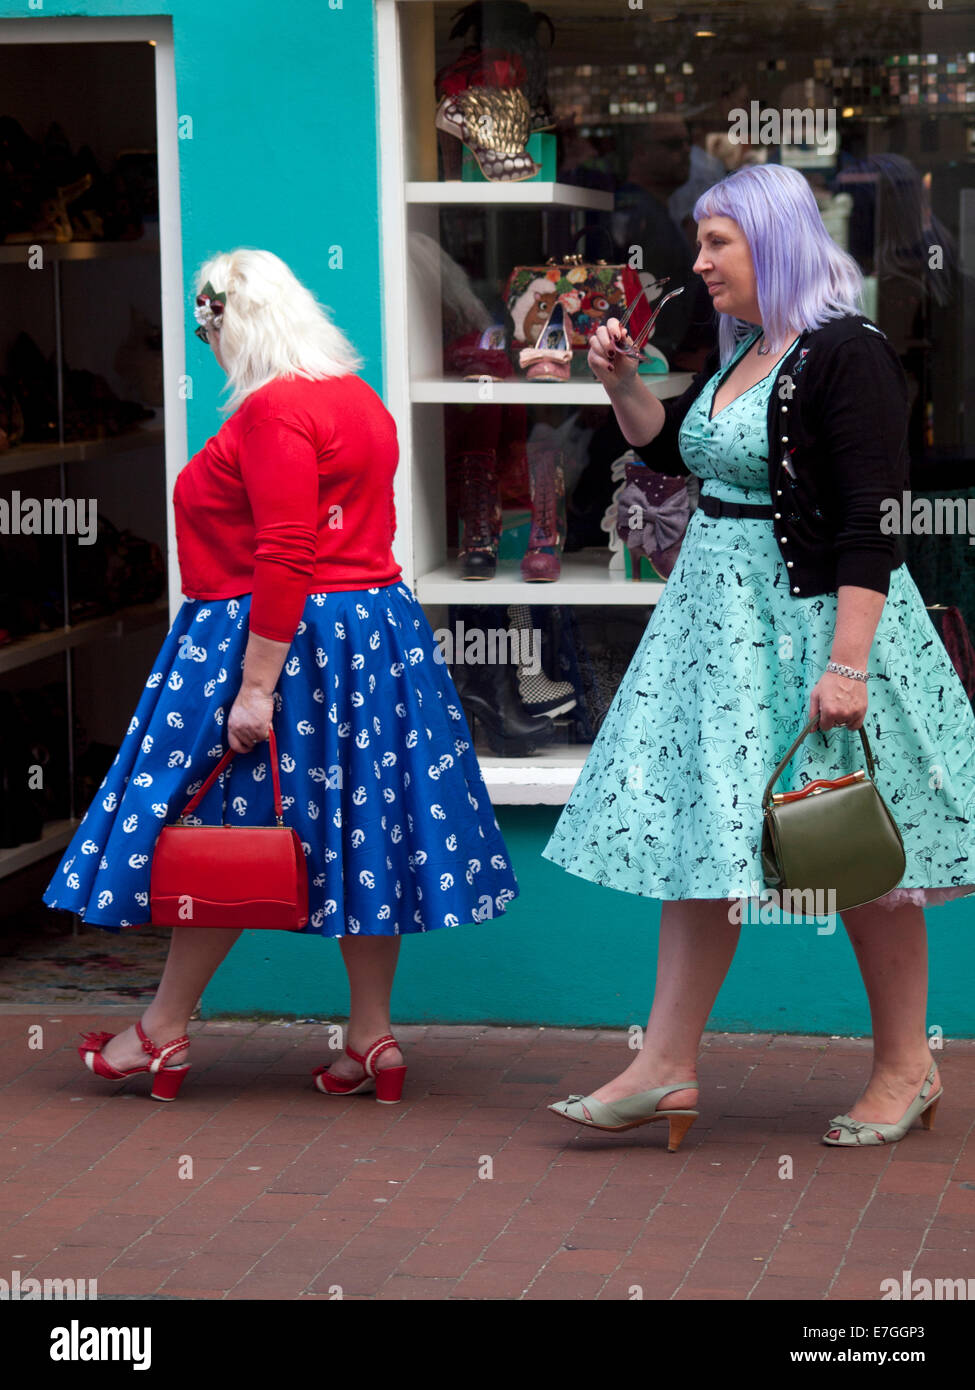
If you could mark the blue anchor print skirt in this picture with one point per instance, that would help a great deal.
(377, 765)
(668, 804)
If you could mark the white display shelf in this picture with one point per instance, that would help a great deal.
(585, 579)
(25, 457)
(524, 194)
(546, 778)
(577, 391)
(55, 836)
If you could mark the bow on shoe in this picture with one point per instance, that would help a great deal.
(94, 1042)
(854, 1126)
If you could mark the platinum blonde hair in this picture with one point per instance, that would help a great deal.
(272, 325)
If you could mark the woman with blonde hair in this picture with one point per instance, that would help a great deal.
(790, 593)
(295, 611)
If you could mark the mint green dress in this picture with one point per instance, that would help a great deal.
(669, 801)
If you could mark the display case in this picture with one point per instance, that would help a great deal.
(82, 438)
(634, 110)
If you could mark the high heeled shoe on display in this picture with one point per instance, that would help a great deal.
(855, 1132)
(631, 1111)
(386, 1081)
(551, 357)
(542, 560)
(539, 695)
(166, 1080)
(495, 124)
(489, 693)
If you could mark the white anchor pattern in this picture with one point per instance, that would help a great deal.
(378, 772)
(669, 802)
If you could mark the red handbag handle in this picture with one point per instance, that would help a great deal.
(230, 753)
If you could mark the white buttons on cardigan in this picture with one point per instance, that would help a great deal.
(785, 409)
(784, 540)
(788, 564)
(785, 439)
(778, 492)
(796, 589)
(778, 516)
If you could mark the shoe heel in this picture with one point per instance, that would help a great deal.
(389, 1085)
(679, 1125)
(166, 1083)
(927, 1116)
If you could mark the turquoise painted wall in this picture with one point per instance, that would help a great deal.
(284, 156)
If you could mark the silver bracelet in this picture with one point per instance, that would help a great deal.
(846, 671)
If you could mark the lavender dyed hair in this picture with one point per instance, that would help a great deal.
(802, 277)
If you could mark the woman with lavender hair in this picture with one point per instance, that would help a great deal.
(799, 418)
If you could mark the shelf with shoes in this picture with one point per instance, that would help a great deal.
(15, 252)
(23, 458)
(531, 732)
(82, 445)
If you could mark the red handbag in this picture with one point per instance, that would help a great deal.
(230, 875)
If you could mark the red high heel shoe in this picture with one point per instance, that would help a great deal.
(388, 1082)
(166, 1081)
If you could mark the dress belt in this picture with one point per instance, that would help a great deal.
(714, 506)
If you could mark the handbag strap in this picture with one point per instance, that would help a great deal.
(767, 798)
(230, 753)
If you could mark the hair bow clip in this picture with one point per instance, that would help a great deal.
(209, 310)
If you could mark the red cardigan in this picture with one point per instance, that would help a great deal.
(292, 496)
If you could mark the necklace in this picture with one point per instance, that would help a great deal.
(764, 348)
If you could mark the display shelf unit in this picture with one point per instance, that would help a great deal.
(528, 194)
(442, 391)
(417, 388)
(14, 252)
(121, 471)
(23, 458)
(40, 645)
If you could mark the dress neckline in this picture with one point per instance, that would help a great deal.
(730, 367)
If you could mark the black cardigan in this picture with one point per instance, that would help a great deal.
(837, 419)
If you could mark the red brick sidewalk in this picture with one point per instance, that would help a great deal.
(293, 1193)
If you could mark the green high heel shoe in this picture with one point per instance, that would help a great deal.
(873, 1132)
(631, 1111)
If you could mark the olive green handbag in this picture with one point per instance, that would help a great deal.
(832, 835)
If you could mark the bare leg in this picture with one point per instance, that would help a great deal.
(892, 952)
(371, 965)
(697, 944)
(194, 954)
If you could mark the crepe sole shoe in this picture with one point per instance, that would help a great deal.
(630, 1112)
(873, 1132)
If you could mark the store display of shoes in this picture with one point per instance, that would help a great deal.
(542, 560)
(48, 194)
(502, 113)
(489, 694)
(478, 355)
(539, 695)
(91, 408)
(475, 476)
(551, 357)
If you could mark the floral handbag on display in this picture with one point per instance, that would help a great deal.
(833, 835)
(589, 293)
(230, 875)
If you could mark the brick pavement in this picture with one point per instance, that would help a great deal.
(293, 1194)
